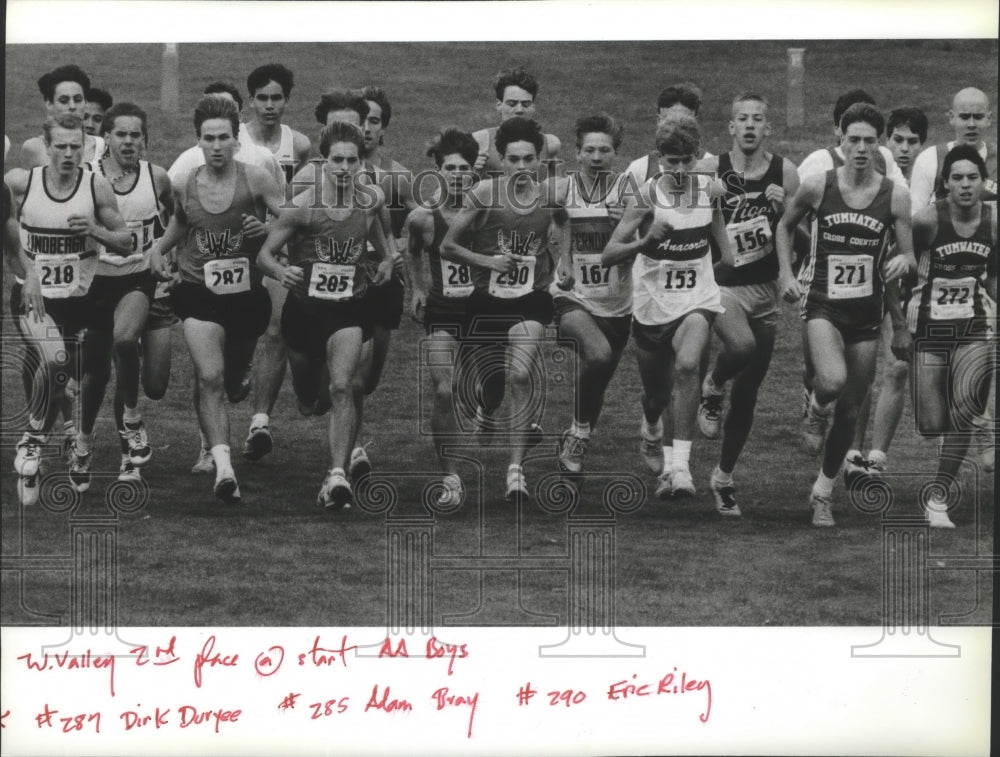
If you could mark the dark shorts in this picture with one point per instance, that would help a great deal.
(17, 310)
(306, 326)
(850, 330)
(615, 329)
(385, 302)
(161, 314)
(244, 314)
(108, 291)
(488, 316)
(653, 337)
(445, 314)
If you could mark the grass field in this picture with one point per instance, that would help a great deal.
(277, 560)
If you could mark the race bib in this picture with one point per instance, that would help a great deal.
(593, 280)
(678, 276)
(952, 299)
(517, 283)
(749, 240)
(332, 281)
(228, 275)
(456, 279)
(849, 276)
(59, 275)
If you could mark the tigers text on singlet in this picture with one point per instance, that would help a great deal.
(844, 268)
(217, 254)
(750, 221)
(65, 261)
(332, 254)
(949, 275)
(516, 232)
(605, 291)
(144, 216)
(451, 281)
(674, 277)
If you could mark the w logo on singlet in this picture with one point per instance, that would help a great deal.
(218, 245)
(329, 250)
(516, 245)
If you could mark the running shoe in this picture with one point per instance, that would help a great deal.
(335, 493)
(710, 413)
(571, 451)
(725, 498)
(258, 443)
(360, 466)
(822, 507)
(814, 429)
(205, 462)
(133, 435)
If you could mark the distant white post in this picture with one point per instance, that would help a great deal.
(796, 86)
(170, 80)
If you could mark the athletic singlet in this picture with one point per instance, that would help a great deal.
(375, 176)
(285, 152)
(750, 222)
(844, 268)
(949, 275)
(604, 291)
(144, 216)
(674, 277)
(216, 253)
(332, 253)
(519, 233)
(989, 182)
(65, 261)
(451, 281)
(878, 161)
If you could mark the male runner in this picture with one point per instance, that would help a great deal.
(441, 306)
(65, 214)
(64, 91)
(906, 132)
(502, 234)
(220, 297)
(593, 302)
(325, 320)
(667, 230)
(123, 287)
(269, 88)
(855, 208)
(516, 91)
(757, 183)
(97, 103)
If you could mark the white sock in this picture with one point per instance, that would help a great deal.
(36, 426)
(877, 456)
(69, 427)
(132, 415)
(651, 432)
(259, 420)
(452, 481)
(668, 457)
(513, 468)
(721, 478)
(83, 442)
(819, 409)
(708, 386)
(682, 453)
(220, 454)
(823, 485)
(582, 430)
(852, 453)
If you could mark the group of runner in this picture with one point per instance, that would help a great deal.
(268, 259)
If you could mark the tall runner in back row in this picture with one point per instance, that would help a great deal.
(855, 209)
(757, 184)
(65, 215)
(325, 320)
(956, 246)
(502, 233)
(668, 231)
(441, 305)
(516, 92)
(269, 87)
(593, 302)
(123, 287)
(64, 91)
(220, 297)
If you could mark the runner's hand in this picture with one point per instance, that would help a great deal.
(253, 226)
(31, 297)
